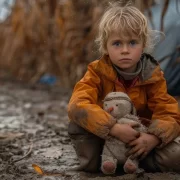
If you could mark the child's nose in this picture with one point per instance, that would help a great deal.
(125, 48)
(110, 109)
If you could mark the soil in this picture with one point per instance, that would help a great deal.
(33, 130)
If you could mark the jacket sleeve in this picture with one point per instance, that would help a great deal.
(83, 108)
(165, 118)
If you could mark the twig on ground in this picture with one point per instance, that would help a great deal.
(27, 154)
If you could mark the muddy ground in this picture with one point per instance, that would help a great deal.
(33, 130)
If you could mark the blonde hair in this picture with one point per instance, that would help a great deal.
(124, 19)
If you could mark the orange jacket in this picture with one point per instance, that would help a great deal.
(149, 95)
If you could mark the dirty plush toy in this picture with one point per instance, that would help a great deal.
(119, 105)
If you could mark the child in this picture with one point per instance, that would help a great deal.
(125, 67)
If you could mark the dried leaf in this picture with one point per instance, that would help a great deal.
(38, 169)
(41, 172)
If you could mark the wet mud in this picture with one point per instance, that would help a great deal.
(33, 130)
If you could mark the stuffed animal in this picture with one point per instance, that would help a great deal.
(119, 105)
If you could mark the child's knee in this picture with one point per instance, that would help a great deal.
(168, 158)
(74, 129)
(88, 147)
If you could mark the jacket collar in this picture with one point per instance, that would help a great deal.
(151, 71)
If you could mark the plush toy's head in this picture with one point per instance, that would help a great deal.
(118, 104)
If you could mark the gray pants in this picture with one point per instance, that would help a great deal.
(89, 147)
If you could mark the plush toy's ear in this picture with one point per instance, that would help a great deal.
(133, 112)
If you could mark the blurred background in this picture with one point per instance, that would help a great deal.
(52, 41)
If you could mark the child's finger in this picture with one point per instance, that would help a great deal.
(137, 154)
(134, 124)
(132, 151)
(138, 134)
(132, 143)
(143, 155)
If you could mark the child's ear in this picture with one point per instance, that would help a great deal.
(105, 52)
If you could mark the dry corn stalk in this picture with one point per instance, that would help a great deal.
(43, 37)
(53, 36)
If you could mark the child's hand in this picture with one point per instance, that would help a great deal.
(141, 146)
(125, 132)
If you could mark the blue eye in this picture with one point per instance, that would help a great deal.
(116, 44)
(133, 43)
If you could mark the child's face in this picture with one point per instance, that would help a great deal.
(124, 51)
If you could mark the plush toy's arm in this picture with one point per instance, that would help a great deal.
(132, 119)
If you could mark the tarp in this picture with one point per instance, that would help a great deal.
(166, 51)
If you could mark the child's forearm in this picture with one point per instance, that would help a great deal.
(124, 132)
(114, 131)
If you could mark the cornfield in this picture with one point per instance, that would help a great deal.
(53, 36)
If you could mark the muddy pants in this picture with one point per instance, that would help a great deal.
(89, 147)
